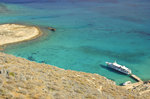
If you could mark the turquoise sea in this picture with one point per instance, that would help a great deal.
(88, 33)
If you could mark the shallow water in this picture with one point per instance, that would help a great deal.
(88, 33)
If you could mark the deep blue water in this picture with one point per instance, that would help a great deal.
(88, 33)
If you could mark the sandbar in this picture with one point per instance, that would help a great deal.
(13, 33)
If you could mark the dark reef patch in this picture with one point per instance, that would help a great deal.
(132, 57)
(53, 1)
(18, 1)
(3, 8)
(42, 62)
(31, 58)
(34, 53)
(45, 17)
(141, 33)
(130, 19)
(100, 1)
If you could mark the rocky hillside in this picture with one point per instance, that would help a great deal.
(23, 79)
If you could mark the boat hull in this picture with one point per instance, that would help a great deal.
(119, 68)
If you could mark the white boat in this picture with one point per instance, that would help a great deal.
(126, 83)
(119, 68)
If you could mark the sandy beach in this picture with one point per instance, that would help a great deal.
(13, 33)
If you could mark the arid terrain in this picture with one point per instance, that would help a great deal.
(22, 79)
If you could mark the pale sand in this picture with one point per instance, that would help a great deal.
(13, 33)
(133, 85)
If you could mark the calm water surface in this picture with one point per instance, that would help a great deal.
(89, 32)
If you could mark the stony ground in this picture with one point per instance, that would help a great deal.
(23, 79)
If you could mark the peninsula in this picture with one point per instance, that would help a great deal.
(12, 33)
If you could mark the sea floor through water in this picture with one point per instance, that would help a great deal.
(88, 33)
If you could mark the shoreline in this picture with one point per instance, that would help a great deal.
(2, 47)
(134, 86)
(25, 38)
(25, 76)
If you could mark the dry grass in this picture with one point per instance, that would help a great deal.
(23, 79)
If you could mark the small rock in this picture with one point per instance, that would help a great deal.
(52, 29)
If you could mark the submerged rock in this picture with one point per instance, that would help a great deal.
(52, 29)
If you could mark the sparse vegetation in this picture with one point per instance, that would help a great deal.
(12, 74)
(22, 79)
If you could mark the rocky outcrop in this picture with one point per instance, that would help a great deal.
(22, 79)
(51, 29)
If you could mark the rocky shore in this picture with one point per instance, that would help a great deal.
(24, 79)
